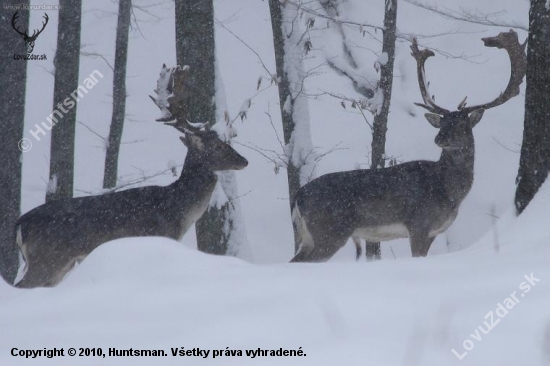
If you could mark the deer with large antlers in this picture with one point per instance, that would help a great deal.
(29, 40)
(416, 200)
(55, 236)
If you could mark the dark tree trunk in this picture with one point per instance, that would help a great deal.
(386, 83)
(66, 62)
(380, 125)
(293, 173)
(119, 94)
(195, 46)
(12, 114)
(535, 151)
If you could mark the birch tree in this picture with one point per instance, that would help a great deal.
(289, 49)
(374, 90)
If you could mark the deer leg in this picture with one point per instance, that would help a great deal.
(358, 249)
(60, 274)
(302, 255)
(36, 275)
(323, 249)
(41, 275)
(46, 270)
(420, 243)
(372, 251)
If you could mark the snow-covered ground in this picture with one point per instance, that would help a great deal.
(157, 294)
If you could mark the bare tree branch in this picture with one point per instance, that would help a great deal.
(465, 15)
(246, 45)
(95, 54)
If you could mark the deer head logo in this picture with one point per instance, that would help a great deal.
(29, 40)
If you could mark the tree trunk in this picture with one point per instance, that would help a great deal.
(66, 62)
(119, 94)
(380, 125)
(195, 46)
(386, 83)
(293, 174)
(288, 45)
(535, 151)
(12, 118)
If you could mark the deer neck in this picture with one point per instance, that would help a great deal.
(457, 166)
(196, 178)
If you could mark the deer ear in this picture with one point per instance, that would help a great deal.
(192, 141)
(476, 116)
(434, 119)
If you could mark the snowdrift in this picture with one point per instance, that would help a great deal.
(154, 293)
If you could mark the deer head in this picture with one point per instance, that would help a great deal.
(29, 40)
(213, 152)
(455, 128)
(203, 143)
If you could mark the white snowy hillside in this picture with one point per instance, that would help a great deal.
(479, 298)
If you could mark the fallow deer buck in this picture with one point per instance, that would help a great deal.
(56, 235)
(418, 199)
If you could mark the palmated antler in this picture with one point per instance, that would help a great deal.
(505, 40)
(421, 56)
(170, 100)
(518, 65)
